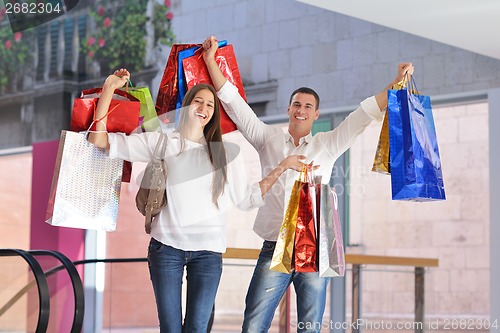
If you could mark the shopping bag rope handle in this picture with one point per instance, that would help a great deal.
(127, 85)
(221, 43)
(303, 172)
(409, 82)
(305, 176)
(414, 90)
(335, 199)
(100, 120)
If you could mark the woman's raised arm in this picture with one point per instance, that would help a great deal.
(117, 80)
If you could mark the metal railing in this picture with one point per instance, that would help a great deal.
(41, 283)
(43, 289)
(356, 260)
(76, 283)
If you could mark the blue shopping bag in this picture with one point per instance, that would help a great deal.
(181, 79)
(180, 71)
(416, 173)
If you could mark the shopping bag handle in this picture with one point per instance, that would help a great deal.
(100, 120)
(127, 85)
(305, 176)
(303, 173)
(335, 199)
(221, 43)
(409, 83)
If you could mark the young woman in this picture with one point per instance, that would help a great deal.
(205, 178)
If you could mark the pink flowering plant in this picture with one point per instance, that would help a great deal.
(16, 51)
(119, 37)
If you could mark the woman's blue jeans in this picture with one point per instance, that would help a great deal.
(166, 269)
(267, 288)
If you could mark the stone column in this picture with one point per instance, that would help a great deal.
(150, 35)
(494, 148)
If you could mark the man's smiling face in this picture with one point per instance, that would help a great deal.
(302, 111)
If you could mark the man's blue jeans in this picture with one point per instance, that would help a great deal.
(267, 287)
(166, 269)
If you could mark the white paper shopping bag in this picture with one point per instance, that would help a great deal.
(85, 187)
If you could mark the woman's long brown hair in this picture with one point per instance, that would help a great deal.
(213, 136)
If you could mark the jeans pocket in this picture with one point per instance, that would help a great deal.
(267, 249)
(155, 247)
(217, 254)
(216, 259)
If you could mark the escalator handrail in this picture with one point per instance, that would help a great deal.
(76, 282)
(41, 282)
(109, 260)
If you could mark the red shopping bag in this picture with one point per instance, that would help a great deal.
(196, 72)
(124, 116)
(167, 93)
(305, 248)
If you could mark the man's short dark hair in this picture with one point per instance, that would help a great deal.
(305, 90)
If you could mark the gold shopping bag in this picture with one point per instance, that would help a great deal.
(381, 162)
(283, 252)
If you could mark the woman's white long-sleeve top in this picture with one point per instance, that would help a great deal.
(190, 221)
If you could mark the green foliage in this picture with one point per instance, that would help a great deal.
(162, 22)
(16, 50)
(120, 27)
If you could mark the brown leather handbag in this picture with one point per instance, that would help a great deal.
(152, 196)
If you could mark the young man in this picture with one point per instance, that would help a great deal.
(267, 287)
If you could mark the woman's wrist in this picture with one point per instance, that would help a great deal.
(108, 86)
(210, 60)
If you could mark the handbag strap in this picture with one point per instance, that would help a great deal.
(160, 148)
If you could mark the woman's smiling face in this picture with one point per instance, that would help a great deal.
(202, 107)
